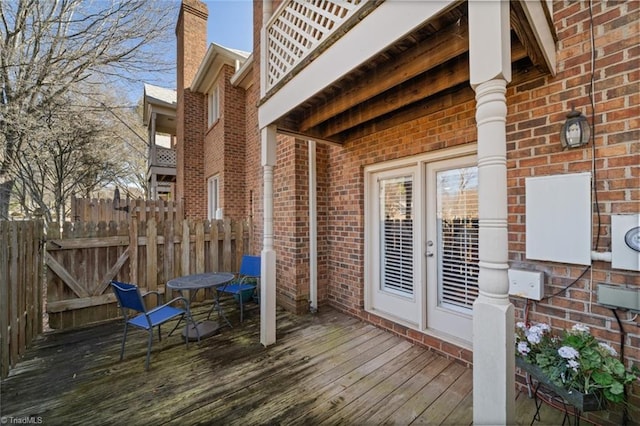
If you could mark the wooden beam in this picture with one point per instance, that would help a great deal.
(111, 273)
(71, 282)
(431, 105)
(309, 135)
(540, 47)
(440, 48)
(423, 86)
(86, 302)
(76, 243)
(414, 111)
(427, 84)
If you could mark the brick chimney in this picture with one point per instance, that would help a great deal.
(191, 34)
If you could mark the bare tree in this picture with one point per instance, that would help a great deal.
(49, 49)
(67, 154)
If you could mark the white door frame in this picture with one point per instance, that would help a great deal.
(371, 242)
(440, 319)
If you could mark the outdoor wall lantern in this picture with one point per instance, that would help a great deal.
(116, 202)
(575, 131)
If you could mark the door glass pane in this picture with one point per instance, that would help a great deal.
(396, 235)
(457, 225)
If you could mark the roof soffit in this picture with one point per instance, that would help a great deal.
(425, 70)
(216, 57)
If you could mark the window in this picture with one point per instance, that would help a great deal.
(396, 234)
(457, 224)
(213, 193)
(213, 103)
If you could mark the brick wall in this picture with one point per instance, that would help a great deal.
(214, 147)
(235, 188)
(224, 147)
(536, 111)
(345, 207)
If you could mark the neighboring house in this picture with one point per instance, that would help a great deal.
(211, 128)
(399, 159)
(159, 116)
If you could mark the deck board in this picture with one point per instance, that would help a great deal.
(327, 368)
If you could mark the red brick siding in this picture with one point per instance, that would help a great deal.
(345, 230)
(534, 150)
(536, 111)
(191, 33)
(192, 146)
(224, 147)
(235, 191)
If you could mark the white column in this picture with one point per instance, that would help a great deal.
(153, 157)
(267, 10)
(493, 317)
(268, 255)
(313, 229)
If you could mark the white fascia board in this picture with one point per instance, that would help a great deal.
(543, 33)
(240, 77)
(152, 105)
(388, 23)
(209, 68)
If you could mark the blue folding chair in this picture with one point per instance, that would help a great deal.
(129, 298)
(245, 284)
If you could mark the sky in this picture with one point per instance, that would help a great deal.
(230, 23)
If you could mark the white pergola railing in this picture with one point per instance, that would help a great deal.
(300, 26)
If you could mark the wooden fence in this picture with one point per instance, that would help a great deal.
(21, 287)
(84, 257)
(103, 210)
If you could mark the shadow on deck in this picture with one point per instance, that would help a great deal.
(326, 368)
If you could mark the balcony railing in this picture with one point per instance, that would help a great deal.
(162, 157)
(298, 27)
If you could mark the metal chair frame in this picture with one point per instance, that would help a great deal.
(249, 269)
(130, 298)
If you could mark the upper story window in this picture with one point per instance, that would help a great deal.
(213, 104)
(213, 193)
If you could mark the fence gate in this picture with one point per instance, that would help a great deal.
(83, 257)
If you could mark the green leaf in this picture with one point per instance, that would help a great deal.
(616, 388)
(602, 379)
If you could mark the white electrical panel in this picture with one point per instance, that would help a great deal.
(558, 218)
(625, 241)
(527, 284)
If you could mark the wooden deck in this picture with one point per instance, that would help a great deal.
(327, 368)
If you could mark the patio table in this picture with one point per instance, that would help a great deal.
(193, 283)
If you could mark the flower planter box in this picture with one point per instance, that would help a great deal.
(582, 402)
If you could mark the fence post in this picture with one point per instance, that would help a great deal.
(4, 302)
(239, 234)
(152, 255)
(184, 258)
(133, 248)
(169, 247)
(226, 245)
(199, 247)
(215, 251)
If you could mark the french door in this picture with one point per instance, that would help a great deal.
(452, 246)
(422, 245)
(394, 289)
